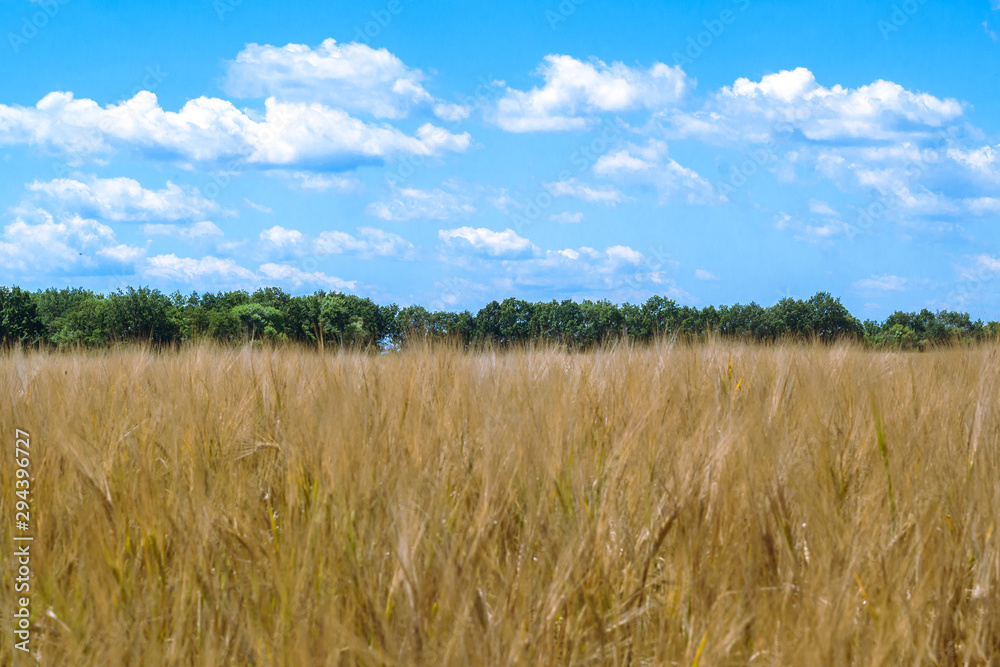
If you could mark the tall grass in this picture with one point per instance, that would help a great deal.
(719, 503)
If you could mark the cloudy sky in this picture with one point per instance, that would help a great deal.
(451, 153)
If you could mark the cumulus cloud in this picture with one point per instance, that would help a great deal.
(210, 270)
(566, 217)
(820, 207)
(351, 76)
(189, 269)
(495, 244)
(575, 92)
(908, 148)
(702, 274)
(286, 274)
(792, 101)
(68, 245)
(280, 237)
(124, 199)
(883, 283)
(194, 231)
(624, 254)
(650, 165)
(411, 203)
(323, 182)
(369, 241)
(619, 272)
(212, 131)
(453, 113)
(572, 187)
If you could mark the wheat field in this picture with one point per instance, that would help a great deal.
(678, 504)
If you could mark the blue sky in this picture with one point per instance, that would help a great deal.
(448, 154)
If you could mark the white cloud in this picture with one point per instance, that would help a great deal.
(324, 182)
(702, 274)
(623, 254)
(452, 113)
(411, 203)
(279, 237)
(983, 205)
(257, 207)
(197, 230)
(574, 188)
(189, 269)
(883, 283)
(791, 102)
(566, 217)
(370, 241)
(983, 161)
(506, 243)
(70, 245)
(214, 271)
(618, 272)
(211, 130)
(649, 165)
(124, 199)
(823, 233)
(575, 92)
(620, 162)
(820, 207)
(285, 274)
(350, 76)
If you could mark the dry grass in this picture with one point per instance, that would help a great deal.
(643, 506)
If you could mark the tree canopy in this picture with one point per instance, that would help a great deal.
(75, 316)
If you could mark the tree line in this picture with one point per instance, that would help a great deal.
(73, 317)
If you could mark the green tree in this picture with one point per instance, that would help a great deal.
(831, 320)
(140, 314)
(258, 321)
(351, 320)
(19, 319)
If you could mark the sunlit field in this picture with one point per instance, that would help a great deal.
(711, 503)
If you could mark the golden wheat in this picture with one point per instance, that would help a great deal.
(717, 503)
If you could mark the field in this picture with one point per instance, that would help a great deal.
(715, 503)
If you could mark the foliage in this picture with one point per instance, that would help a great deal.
(19, 319)
(75, 316)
